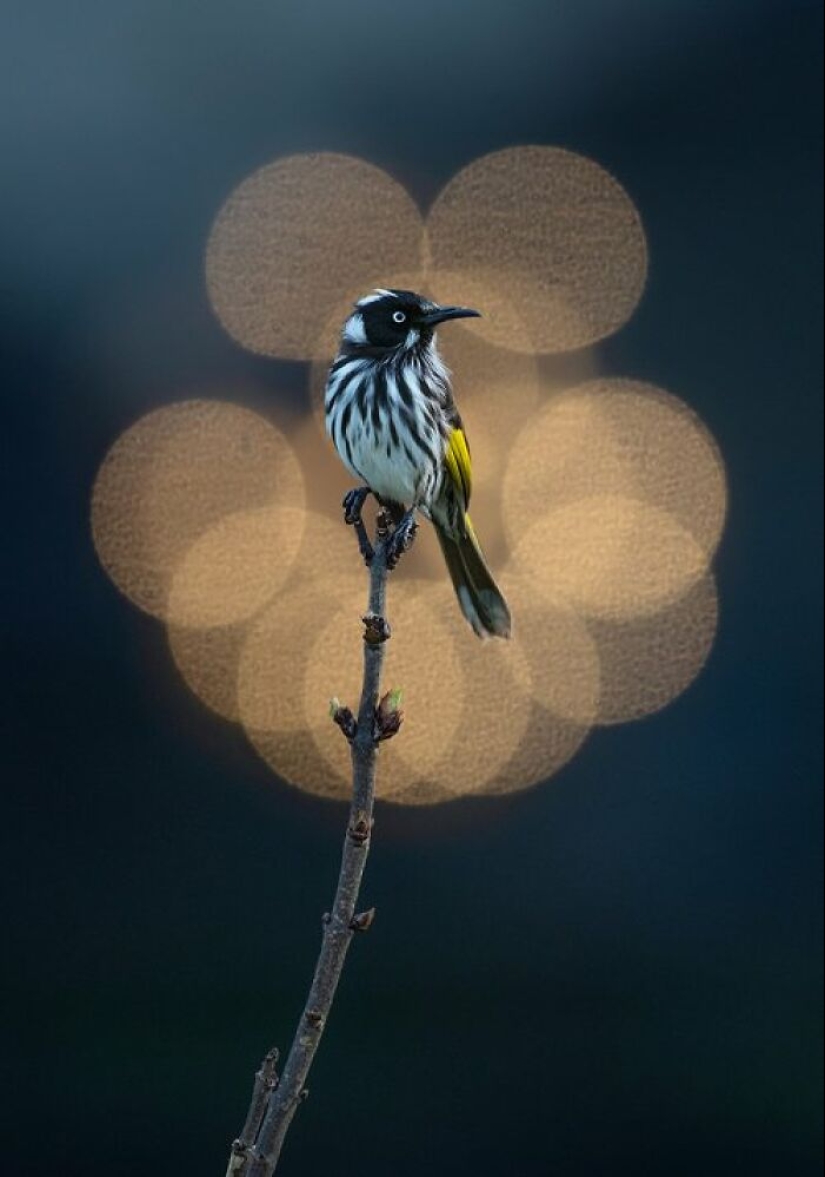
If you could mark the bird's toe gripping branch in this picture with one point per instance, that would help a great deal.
(402, 538)
(394, 525)
(353, 506)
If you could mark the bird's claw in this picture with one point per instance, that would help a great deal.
(353, 505)
(401, 540)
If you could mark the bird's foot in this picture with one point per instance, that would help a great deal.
(353, 506)
(401, 539)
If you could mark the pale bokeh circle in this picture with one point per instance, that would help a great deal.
(649, 661)
(610, 556)
(621, 438)
(559, 651)
(539, 716)
(235, 567)
(208, 661)
(275, 660)
(299, 236)
(326, 572)
(554, 233)
(526, 704)
(168, 484)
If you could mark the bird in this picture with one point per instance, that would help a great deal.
(390, 413)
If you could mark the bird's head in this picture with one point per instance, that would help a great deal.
(396, 320)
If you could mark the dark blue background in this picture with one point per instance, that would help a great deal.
(617, 973)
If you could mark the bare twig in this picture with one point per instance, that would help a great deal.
(257, 1151)
(266, 1080)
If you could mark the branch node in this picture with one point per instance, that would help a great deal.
(360, 828)
(376, 629)
(304, 1095)
(388, 716)
(315, 1018)
(344, 718)
(326, 919)
(363, 921)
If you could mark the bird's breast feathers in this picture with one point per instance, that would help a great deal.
(389, 431)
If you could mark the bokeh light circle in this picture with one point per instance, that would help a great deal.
(299, 236)
(610, 556)
(235, 567)
(208, 660)
(647, 662)
(326, 571)
(555, 233)
(170, 483)
(620, 438)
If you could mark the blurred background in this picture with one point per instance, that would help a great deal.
(616, 972)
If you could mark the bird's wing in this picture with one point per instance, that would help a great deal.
(459, 466)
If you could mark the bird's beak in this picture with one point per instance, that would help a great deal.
(442, 314)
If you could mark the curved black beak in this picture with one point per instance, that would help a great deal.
(442, 314)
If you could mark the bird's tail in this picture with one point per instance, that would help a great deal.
(478, 594)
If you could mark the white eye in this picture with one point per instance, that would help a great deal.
(399, 317)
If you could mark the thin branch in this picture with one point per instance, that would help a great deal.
(266, 1080)
(257, 1155)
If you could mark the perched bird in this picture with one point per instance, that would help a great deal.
(392, 418)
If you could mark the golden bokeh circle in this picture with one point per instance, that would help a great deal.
(171, 480)
(555, 233)
(647, 662)
(559, 651)
(207, 660)
(299, 236)
(545, 710)
(326, 571)
(620, 438)
(610, 556)
(235, 567)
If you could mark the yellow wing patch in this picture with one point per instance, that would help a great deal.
(459, 466)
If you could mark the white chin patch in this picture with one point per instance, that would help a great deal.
(354, 329)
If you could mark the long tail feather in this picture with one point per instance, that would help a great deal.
(478, 594)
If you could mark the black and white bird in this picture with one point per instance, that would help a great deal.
(392, 418)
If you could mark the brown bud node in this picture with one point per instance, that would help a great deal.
(388, 716)
(363, 921)
(360, 829)
(343, 717)
(376, 629)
